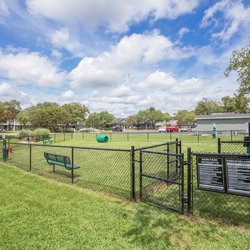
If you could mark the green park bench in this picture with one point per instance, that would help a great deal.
(61, 161)
(47, 139)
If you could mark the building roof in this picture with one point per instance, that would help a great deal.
(218, 116)
(119, 121)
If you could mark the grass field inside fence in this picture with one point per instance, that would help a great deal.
(109, 171)
(39, 214)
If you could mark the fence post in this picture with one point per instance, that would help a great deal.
(170, 135)
(133, 193)
(140, 175)
(177, 152)
(30, 157)
(189, 181)
(127, 136)
(83, 135)
(147, 137)
(219, 146)
(110, 137)
(198, 136)
(167, 160)
(55, 138)
(4, 150)
(231, 135)
(64, 136)
(182, 183)
(72, 165)
(71, 135)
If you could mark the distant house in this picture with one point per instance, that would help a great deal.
(119, 121)
(223, 122)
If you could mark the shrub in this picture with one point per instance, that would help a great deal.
(69, 130)
(40, 132)
(24, 133)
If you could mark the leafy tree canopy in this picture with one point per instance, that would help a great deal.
(207, 107)
(240, 62)
(185, 117)
(151, 116)
(77, 112)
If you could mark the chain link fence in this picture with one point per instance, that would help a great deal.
(217, 205)
(101, 169)
(234, 147)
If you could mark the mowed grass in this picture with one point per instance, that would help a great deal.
(39, 214)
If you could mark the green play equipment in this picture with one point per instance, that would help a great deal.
(102, 138)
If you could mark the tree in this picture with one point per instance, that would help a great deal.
(93, 120)
(3, 115)
(237, 104)
(185, 117)
(240, 62)
(131, 120)
(228, 104)
(13, 107)
(77, 112)
(207, 107)
(100, 120)
(105, 119)
(241, 103)
(47, 115)
(23, 117)
(167, 117)
(151, 116)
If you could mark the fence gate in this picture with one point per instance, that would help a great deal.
(161, 179)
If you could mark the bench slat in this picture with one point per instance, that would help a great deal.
(59, 160)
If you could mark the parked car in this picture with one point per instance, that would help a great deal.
(185, 129)
(172, 129)
(117, 129)
(162, 129)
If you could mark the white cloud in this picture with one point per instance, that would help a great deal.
(182, 32)
(236, 17)
(189, 86)
(4, 11)
(121, 91)
(67, 94)
(62, 39)
(5, 89)
(158, 81)
(131, 54)
(24, 68)
(116, 15)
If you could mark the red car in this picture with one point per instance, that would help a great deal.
(172, 129)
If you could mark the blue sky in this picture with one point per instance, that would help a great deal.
(120, 56)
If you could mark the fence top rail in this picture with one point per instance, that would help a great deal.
(161, 153)
(232, 142)
(220, 155)
(69, 147)
(158, 145)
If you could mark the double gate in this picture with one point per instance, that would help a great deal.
(162, 176)
(211, 185)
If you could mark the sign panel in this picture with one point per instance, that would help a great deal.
(238, 176)
(210, 173)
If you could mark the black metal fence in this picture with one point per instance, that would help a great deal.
(233, 147)
(109, 170)
(169, 181)
(220, 187)
(194, 136)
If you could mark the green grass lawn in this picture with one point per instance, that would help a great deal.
(109, 172)
(36, 213)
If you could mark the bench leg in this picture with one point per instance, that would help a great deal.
(72, 175)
